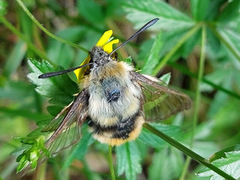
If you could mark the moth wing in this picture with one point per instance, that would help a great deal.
(67, 124)
(160, 102)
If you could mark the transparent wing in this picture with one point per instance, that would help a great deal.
(66, 126)
(160, 102)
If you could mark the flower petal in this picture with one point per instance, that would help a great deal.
(81, 71)
(104, 39)
(109, 46)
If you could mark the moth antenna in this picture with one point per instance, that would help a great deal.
(51, 74)
(145, 27)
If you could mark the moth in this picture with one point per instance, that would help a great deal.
(114, 100)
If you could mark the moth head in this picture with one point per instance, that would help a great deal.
(99, 57)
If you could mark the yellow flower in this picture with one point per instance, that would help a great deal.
(106, 42)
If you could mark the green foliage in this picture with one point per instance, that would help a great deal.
(3, 7)
(15, 58)
(230, 164)
(31, 155)
(166, 164)
(128, 160)
(60, 90)
(169, 17)
(175, 43)
(152, 140)
(152, 59)
(80, 150)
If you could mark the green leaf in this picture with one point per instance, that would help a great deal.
(166, 164)
(205, 10)
(73, 33)
(230, 13)
(128, 60)
(128, 160)
(230, 165)
(18, 91)
(222, 153)
(218, 77)
(24, 113)
(153, 57)
(59, 89)
(152, 140)
(166, 78)
(15, 58)
(213, 45)
(171, 38)
(227, 114)
(231, 40)
(169, 18)
(91, 10)
(35, 150)
(3, 7)
(79, 151)
(198, 8)
(61, 54)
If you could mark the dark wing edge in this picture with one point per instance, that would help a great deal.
(68, 131)
(160, 102)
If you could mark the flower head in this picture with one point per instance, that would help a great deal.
(105, 42)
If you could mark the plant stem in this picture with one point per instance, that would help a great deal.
(19, 34)
(187, 151)
(46, 31)
(200, 75)
(41, 172)
(197, 99)
(110, 162)
(175, 48)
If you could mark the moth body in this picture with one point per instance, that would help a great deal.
(114, 104)
(114, 100)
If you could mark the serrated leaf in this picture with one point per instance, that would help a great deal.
(169, 18)
(59, 89)
(230, 165)
(128, 160)
(153, 56)
(222, 153)
(152, 140)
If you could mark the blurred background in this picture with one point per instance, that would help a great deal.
(172, 45)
